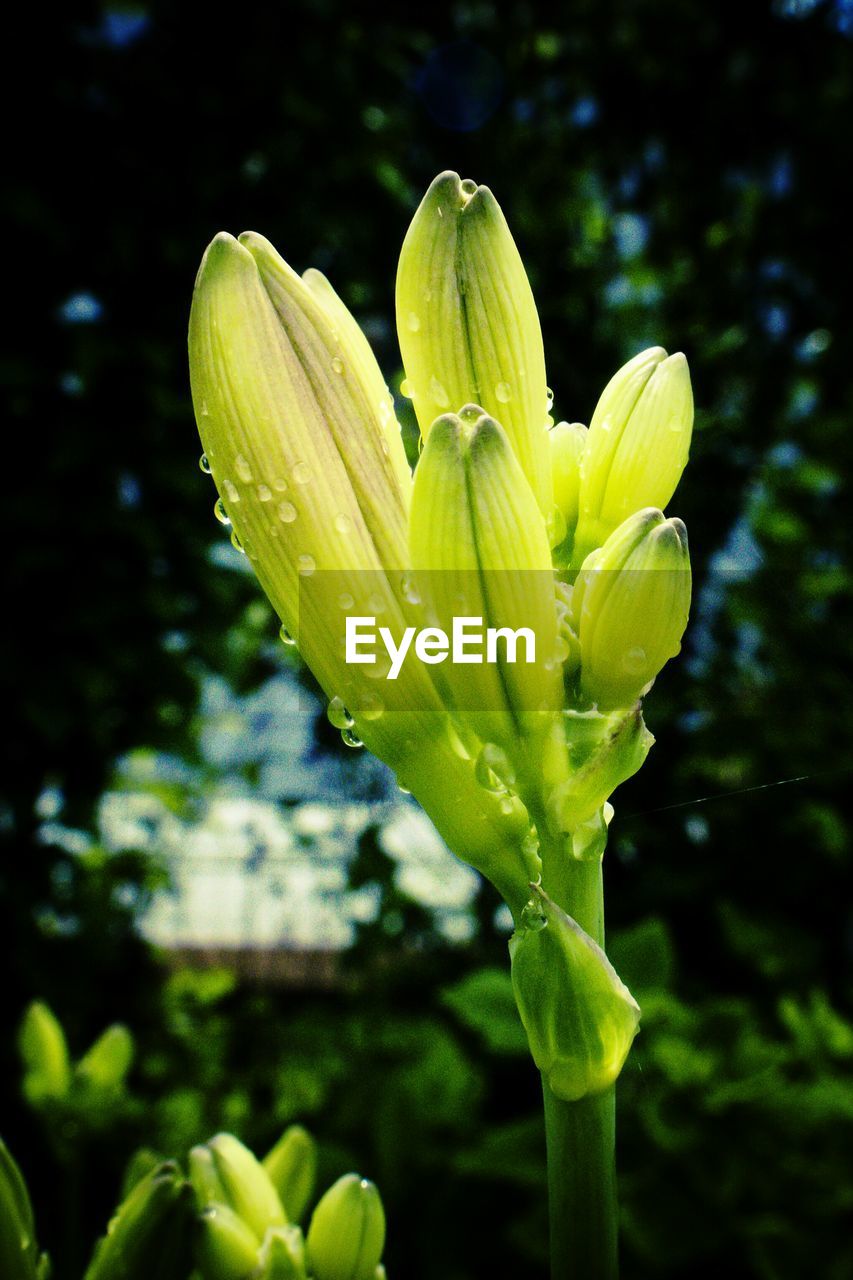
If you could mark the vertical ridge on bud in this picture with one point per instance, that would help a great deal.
(467, 322)
(638, 444)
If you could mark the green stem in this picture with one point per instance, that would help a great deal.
(580, 1136)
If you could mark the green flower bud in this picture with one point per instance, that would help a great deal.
(639, 440)
(108, 1061)
(467, 323)
(230, 1174)
(226, 1248)
(44, 1050)
(630, 606)
(567, 441)
(615, 750)
(282, 1255)
(480, 551)
(579, 1017)
(347, 1232)
(292, 1169)
(150, 1233)
(19, 1255)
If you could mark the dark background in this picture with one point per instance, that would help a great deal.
(674, 173)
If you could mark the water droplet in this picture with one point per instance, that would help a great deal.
(204, 464)
(337, 364)
(606, 424)
(264, 493)
(286, 637)
(204, 412)
(503, 392)
(384, 412)
(231, 491)
(379, 669)
(301, 473)
(370, 706)
(244, 471)
(439, 394)
(351, 739)
(338, 714)
(507, 805)
(493, 770)
(406, 389)
(409, 590)
(306, 565)
(413, 322)
(221, 514)
(236, 543)
(634, 661)
(376, 603)
(404, 791)
(549, 399)
(286, 512)
(279, 485)
(345, 600)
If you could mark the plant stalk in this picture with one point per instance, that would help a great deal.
(580, 1136)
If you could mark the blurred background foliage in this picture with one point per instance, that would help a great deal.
(186, 845)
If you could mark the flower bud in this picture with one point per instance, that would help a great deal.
(467, 323)
(630, 606)
(637, 447)
(480, 553)
(226, 1248)
(579, 1017)
(282, 1255)
(567, 441)
(44, 1050)
(347, 1232)
(106, 1064)
(19, 1255)
(618, 748)
(149, 1235)
(292, 1169)
(229, 1174)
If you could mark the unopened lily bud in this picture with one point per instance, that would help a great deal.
(480, 552)
(231, 1175)
(618, 748)
(150, 1233)
(347, 1232)
(282, 1255)
(292, 1169)
(567, 441)
(44, 1050)
(108, 1061)
(639, 440)
(19, 1255)
(226, 1248)
(630, 606)
(579, 1016)
(467, 322)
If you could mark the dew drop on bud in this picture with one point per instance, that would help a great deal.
(232, 493)
(264, 493)
(345, 600)
(413, 322)
(343, 524)
(286, 637)
(338, 714)
(351, 739)
(370, 706)
(301, 473)
(219, 511)
(286, 512)
(244, 471)
(406, 389)
(204, 464)
(439, 393)
(493, 770)
(337, 364)
(236, 543)
(306, 565)
(549, 399)
(503, 392)
(634, 660)
(409, 589)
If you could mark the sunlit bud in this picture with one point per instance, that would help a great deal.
(150, 1233)
(44, 1050)
(480, 551)
(292, 1169)
(19, 1255)
(567, 441)
(637, 448)
(612, 749)
(234, 1177)
(630, 606)
(579, 1017)
(282, 1255)
(108, 1061)
(467, 323)
(347, 1232)
(226, 1248)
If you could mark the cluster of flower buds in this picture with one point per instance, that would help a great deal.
(248, 1214)
(549, 536)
